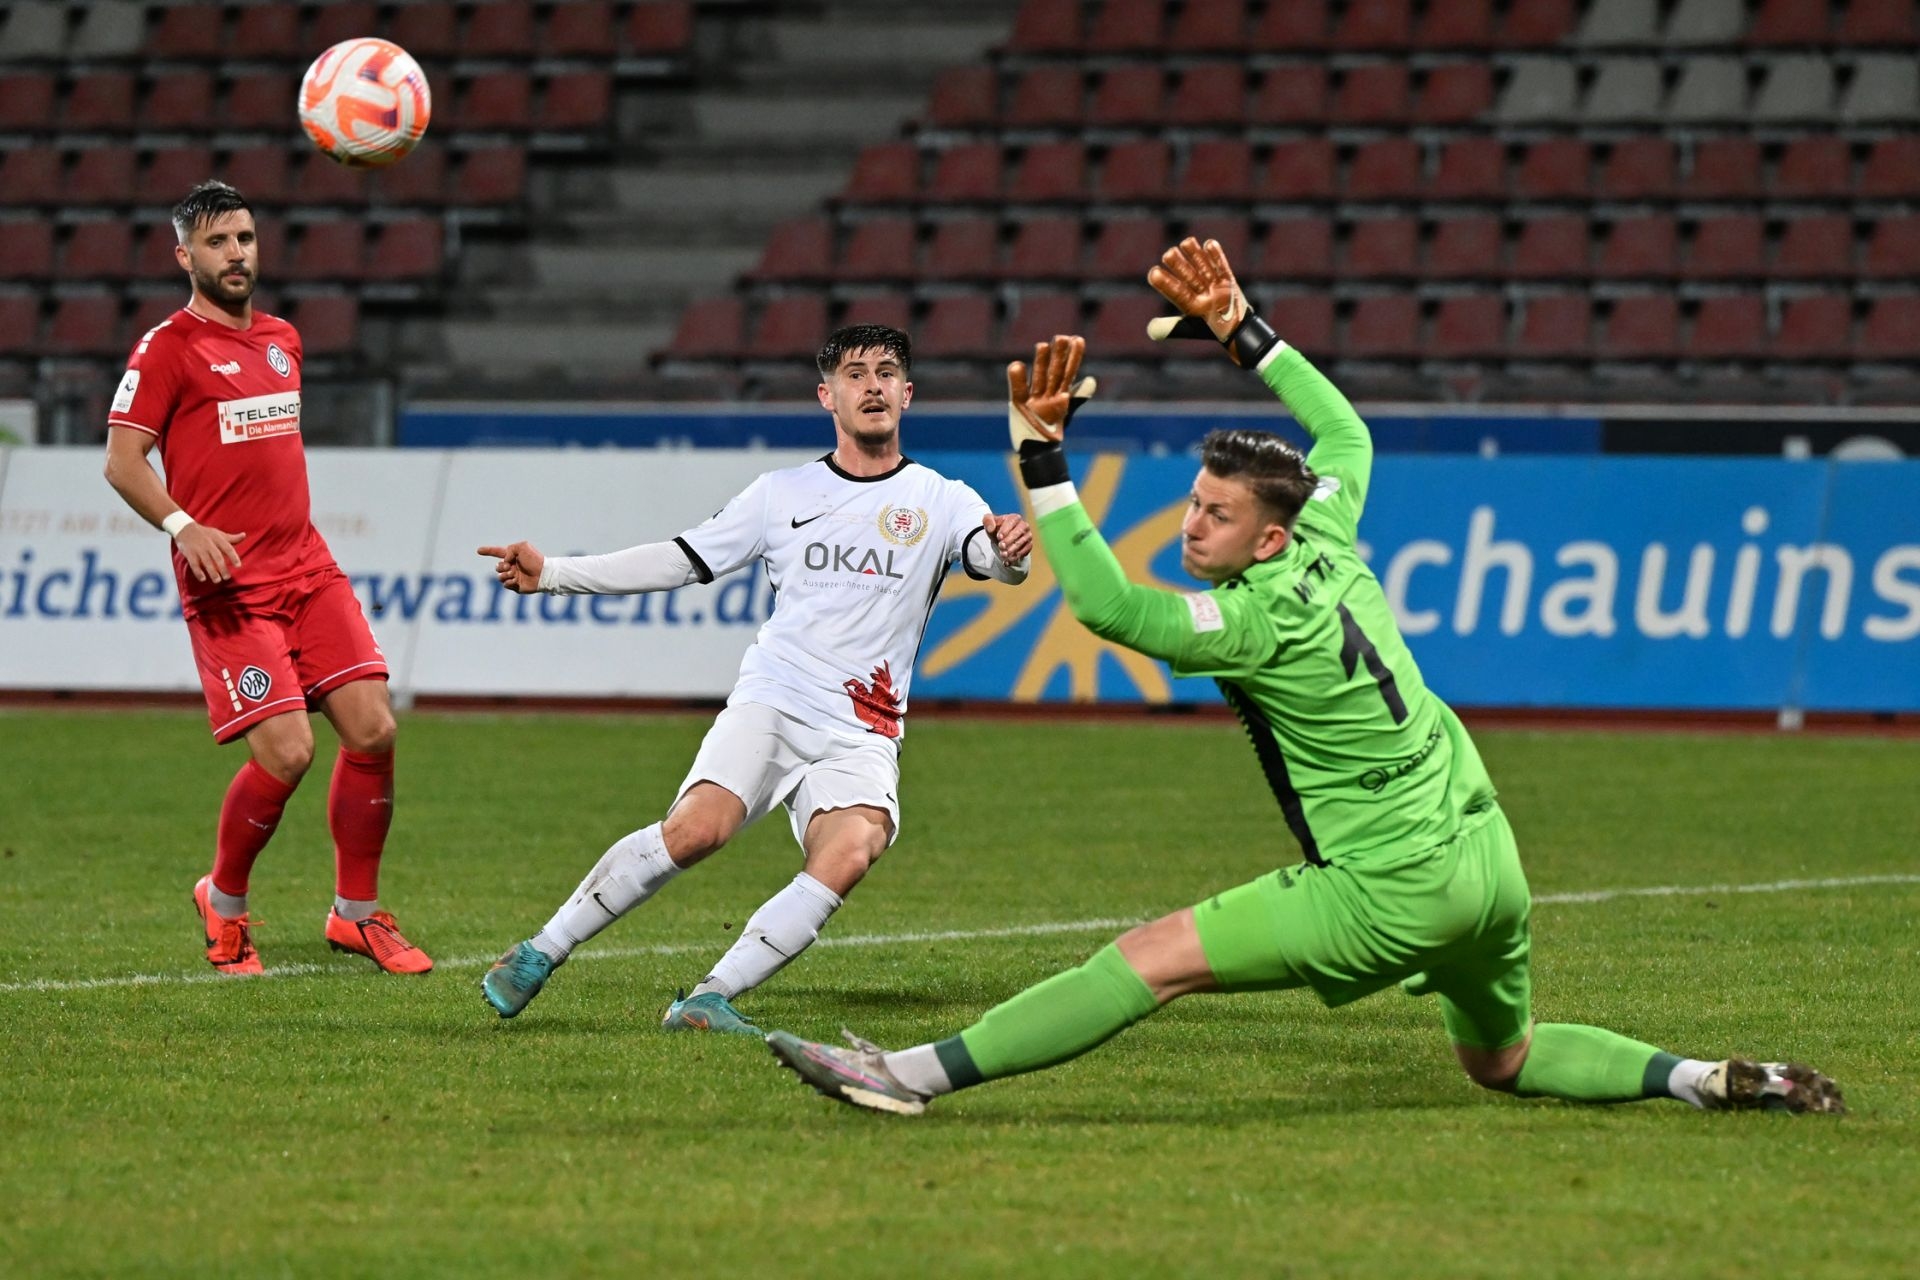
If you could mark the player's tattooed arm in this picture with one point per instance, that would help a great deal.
(209, 553)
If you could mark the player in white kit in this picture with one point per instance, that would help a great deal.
(856, 546)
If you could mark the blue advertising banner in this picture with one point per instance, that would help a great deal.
(1526, 582)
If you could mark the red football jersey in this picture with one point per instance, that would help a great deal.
(225, 405)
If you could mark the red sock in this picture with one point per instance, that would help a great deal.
(359, 811)
(248, 817)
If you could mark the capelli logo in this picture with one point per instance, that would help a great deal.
(230, 368)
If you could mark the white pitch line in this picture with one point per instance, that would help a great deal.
(941, 935)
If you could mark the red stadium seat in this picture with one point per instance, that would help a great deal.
(1295, 249)
(1638, 169)
(1469, 327)
(1040, 315)
(408, 249)
(1291, 94)
(1455, 93)
(1538, 24)
(86, 325)
(149, 312)
(495, 100)
(1120, 327)
(19, 322)
(26, 249)
(1386, 169)
(1726, 247)
(1893, 248)
(29, 175)
(1729, 326)
(172, 171)
(1790, 22)
(1210, 95)
(100, 101)
(321, 181)
(1818, 167)
(499, 29)
(260, 173)
(180, 100)
(1555, 325)
(885, 173)
(329, 324)
(268, 32)
(186, 33)
(578, 101)
(963, 249)
(1374, 24)
(490, 176)
(1218, 169)
(1298, 26)
(101, 251)
(1641, 246)
(967, 173)
(1047, 26)
(710, 329)
(329, 251)
(799, 249)
(1048, 97)
(1218, 26)
(893, 310)
(1891, 330)
(429, 29)
(881, 249)
(26, 102)
(1298, 170)
(1046, 248)
(156, 260)
(660, 29)
(1468, 247)
(1457, 24)
(1384, 328)
(1131, 95)
(1815, 326)
(1724, 168)
(1470, 169)
(421, 180)
(1129, 26)
(1892, 168)
(1643, 326)
(1306, 320)
(581, 29)
(1050, 171)
(958, 328)
(1555, 247)
(1879, 22)
(1233, 233)
(790, 328)
(333, 23)
(272, 242)
(1554, 169)
(101, 175)
(1382, 247)
(1373, 93)
(260, 100)
(1815, 248)
(965, 98)
(1137, 171)
(1126, 247)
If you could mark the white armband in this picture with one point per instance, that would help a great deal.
(175, 522)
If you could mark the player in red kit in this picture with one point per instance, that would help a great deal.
(275, 627)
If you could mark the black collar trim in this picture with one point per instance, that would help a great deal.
(838, 470)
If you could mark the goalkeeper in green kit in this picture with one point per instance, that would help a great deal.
(1410, 874)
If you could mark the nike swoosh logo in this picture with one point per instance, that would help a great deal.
(809, 520)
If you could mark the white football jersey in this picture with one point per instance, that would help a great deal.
(855, 564)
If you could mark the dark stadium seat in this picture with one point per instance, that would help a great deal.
(1218, 26)
(1294, 249)
(1232, 231)
(1295, 93)
(259, 172)
(1044, 248)
(1129, 26)
(1555, 325)
(660, 29)
(580, 29)
(1374, 24)
(186, 33)
(1818, 167)
(490, 176)
(101, 175)
(407, 249)
(269, 32)
(1891, 330)
(333, 23)
(1469, 326)
(148, 312)
(1119, 327)
(1879, 22)
(790, 327)
(1137, 171)
(577, 101)
(181, 100)
(262, 100)
(970, 172)
(1638, 169)
(1892, 168)
(1052, 96)
(1641, 326)
(1038, 316)
(798, 249)
(1555, 247)
(1218, 169)
(101, 251)
(26, 102)
(323, 182)
(1299, 26)
(1815, 248)
(1471, 246)
(1382, 247)
(1724, 168)
(1470, 169)
(1299, 169)
(1815, 326)
(26, 249)
(333, 250)
(86, 325)
(1537, 24)
(1644, 246)
(155, 259)
(1132, 95)
(1213, 94)
(884, 173)
(99, 101)
(499, 29)
(428, 29)
(965, 98)
(879, 249)
(420, 180)
(891, 309)
(1384, 327)
(19, 322)
(1893, 248)
(1727, 246)
(963, 249)
(1124, 248)
(709, 329)
(958, 328)
(272, 245)
(1554, 169)
(1306, 320)
(1790, 22)
(495, 100)
(1372, 93)
(29, 175)
(1457, 24)
(1047, 26)
(1455, 93)
(329, 324)
(1385, 169)
(1729, 326)
(171, 171)
(1050, 171)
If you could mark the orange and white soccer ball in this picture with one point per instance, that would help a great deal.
(365, 102)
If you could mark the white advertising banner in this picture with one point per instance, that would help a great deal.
(87, 599)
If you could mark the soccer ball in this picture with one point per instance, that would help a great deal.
(365, 102)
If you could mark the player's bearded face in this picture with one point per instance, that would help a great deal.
(1226, 529)
(223, 257)
(867, 395)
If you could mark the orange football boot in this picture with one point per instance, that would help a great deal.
(229, 941)
(377, 938)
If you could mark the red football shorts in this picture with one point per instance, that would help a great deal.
(280, 648)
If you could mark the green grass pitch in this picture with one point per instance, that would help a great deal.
(340, 1122)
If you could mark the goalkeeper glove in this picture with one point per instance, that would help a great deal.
(1039, 407)
(1196, 279)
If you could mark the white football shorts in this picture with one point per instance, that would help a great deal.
(767, 757)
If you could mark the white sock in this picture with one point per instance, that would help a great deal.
(1684, 1081)
(919, 1069)
(629, 873)
(230, 906)
(781, 929)
(350, 909)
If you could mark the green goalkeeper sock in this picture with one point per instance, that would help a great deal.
(1590, 1064)
(1047, 1024)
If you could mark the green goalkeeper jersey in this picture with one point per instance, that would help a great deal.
(1362, 757)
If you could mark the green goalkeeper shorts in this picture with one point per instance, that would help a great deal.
(1450, 919)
